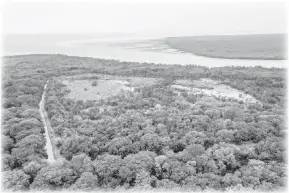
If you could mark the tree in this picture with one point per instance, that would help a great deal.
(94, 83)
(231, 113)
(26, 133)
(162, 166)
(231, 180)
(191, 168)
(225, 135)
(193, 151)
(36, 142)
(9, 162)
(166, 184)
(222, 158)
(177, 171)
(25, 154)
(8, 114)
(107, 167)
(143, 180)
(26, 124)
(82, 163)
(28, 100)
(7, 143)
(243, 131)
(272, 148)
(75, 144)
(31, 113)
(213, 113)
(195, 137)
(203, 181)
(120, 146)
(161, 130)
(11, 102)
(15, 180)
(134, 163)
(87, 181)
(251, 176)
(53, 177)
(151, 142)
(32, 168)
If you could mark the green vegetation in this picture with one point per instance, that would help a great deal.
(94, 83)
(107, 86)
(148, 138)
(264, 47)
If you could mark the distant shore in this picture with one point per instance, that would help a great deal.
(209, 51)
(253, 47)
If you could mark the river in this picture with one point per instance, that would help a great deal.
(139, 49)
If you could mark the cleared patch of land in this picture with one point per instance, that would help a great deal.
(210, 87)
(264, 47)
(106, 86)
(83, 89)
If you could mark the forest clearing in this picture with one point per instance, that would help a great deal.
(210, 87)
(104, 87)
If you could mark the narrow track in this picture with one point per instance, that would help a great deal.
(49, 147)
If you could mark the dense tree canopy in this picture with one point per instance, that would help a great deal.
(150, 138)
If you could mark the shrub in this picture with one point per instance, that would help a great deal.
(94, 83)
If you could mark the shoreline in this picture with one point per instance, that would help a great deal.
(159, 64)
(247, 46)
(230, 58)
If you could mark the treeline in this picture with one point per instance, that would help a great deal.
(151, 138)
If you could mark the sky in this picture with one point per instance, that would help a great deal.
(187, 18)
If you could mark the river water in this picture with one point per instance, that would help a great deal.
(124, 49)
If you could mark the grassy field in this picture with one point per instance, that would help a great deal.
(265, 47)
(82, 89)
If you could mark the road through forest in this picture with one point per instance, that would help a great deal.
(49, 146)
